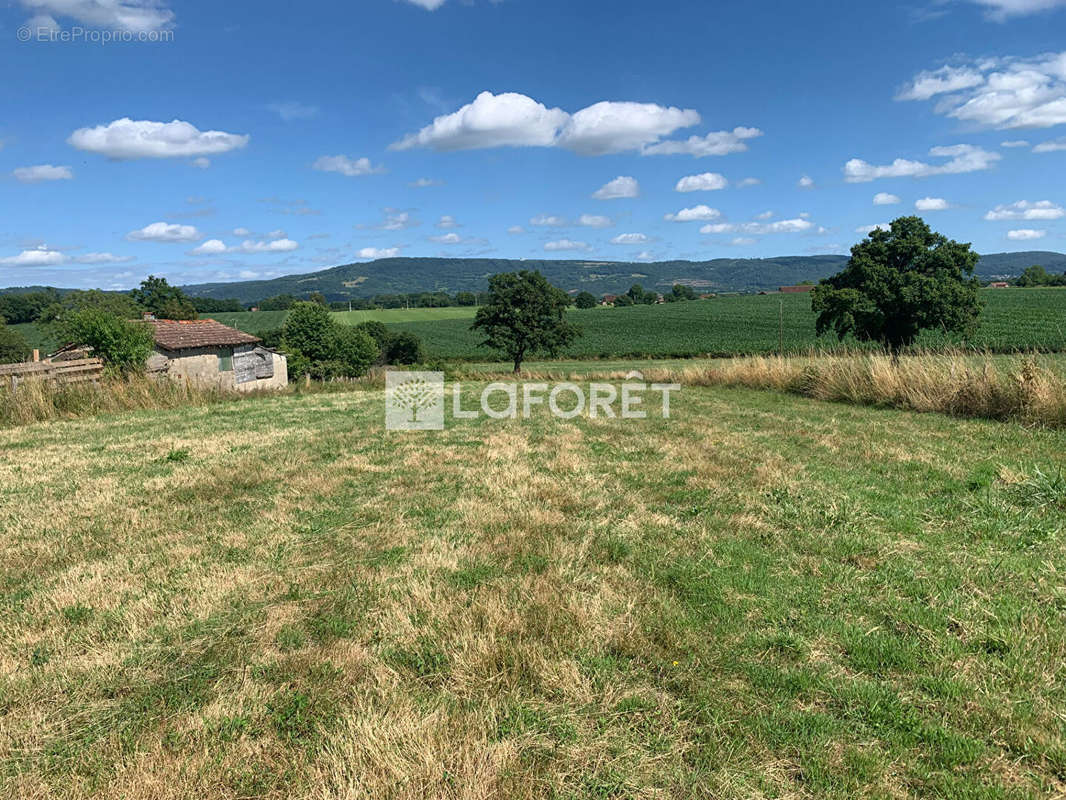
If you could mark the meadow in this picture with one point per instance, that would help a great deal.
(1012, 320)
(764, 595)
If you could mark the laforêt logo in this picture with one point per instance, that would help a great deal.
(414, 401)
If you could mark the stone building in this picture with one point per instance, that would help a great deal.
(208, 352)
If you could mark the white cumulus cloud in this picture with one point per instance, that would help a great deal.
(1014, 143)
(1023, 209)
(1051, 146)
(698, 213)
(1025, 234)
(1001, 10)
(102, 258)
(621, 187)
(210, 248)
(880, 226)
(378, 252)
(961, 158)
(121, 15)
(164, 232)
(705, 182)
(126, 140)
(275, 245)
(43, 172)
(40, 257)
(511, 119)
(565, 244)
(796, 225)
(611, 127)
(504, 120)
(748, 182)
(448, 238)
(716, 143)
(886, 199)
(352, 168)
(630, 239)
(549, 221)
(594, 221)
(1005, 93)
(806, 182)
(932, 204)
(425, 183)
(447, 221)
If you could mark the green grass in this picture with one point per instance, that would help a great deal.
(405, 315)
(1013, 319)
(764, 596)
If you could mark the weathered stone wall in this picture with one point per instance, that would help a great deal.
(201, 365)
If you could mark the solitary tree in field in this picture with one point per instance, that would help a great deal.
(898, 283)
(586, 300)
(524, 315)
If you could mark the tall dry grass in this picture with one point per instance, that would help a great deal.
(1009, 388)
(1020, 390)
(37, 400)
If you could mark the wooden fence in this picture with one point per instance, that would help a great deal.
(84, 369)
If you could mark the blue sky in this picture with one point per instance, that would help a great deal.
(212, 141)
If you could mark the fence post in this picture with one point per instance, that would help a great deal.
(14, 384)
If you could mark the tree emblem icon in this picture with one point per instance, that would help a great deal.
(415, 396)
(414, 401)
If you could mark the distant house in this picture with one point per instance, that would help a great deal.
(999, 285)
(608, 299)
(803, 287)
(206, 351)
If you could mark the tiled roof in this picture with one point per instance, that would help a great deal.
(172, 335)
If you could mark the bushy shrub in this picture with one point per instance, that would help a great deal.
(13, 346)
(319, 347)
(308, 331)
(121, 343)
(405, 348)
(354, 349)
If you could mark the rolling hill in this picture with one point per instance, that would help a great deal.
(403, 275)
(409, 275)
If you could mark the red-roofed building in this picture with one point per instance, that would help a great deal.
(206, 351)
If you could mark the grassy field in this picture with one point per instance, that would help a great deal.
(764, 596)
(1015, 319)
(389, 315)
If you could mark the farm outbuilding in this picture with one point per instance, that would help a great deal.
(206, 351)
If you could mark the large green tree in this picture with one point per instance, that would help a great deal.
(524, 315)
(586, 300)
(163, 300)
(898, 283)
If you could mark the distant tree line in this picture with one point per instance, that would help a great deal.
(284, 302)
(1036, 275)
